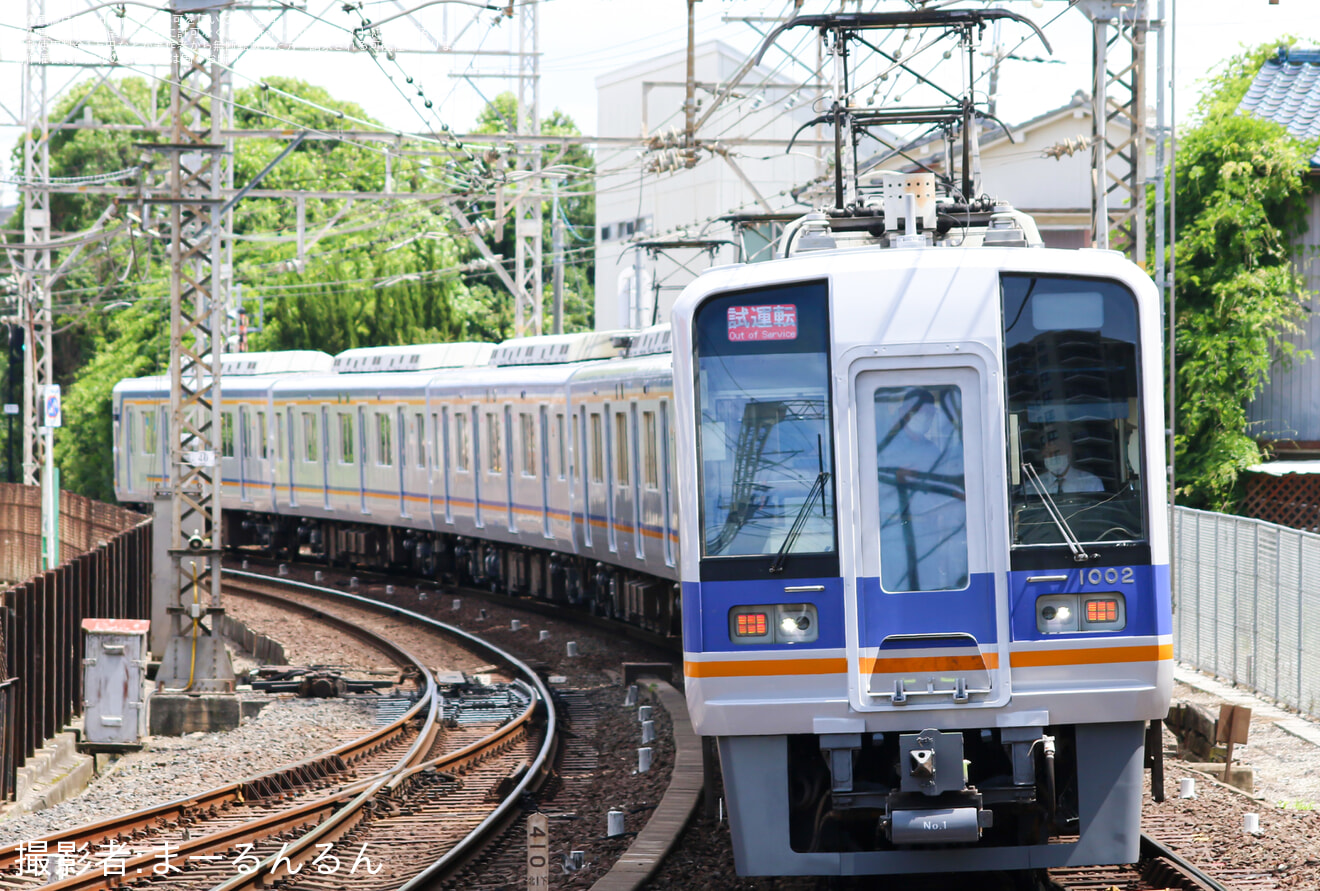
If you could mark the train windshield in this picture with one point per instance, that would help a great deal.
(766, 462)
(1074, 420)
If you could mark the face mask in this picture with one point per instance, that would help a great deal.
(1056, 464)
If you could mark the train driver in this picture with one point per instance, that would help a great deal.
(1061, 476)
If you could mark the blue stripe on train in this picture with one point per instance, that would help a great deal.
(1145, 589)
(706, 608)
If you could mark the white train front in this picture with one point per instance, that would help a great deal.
(919, 494)
(925, 565)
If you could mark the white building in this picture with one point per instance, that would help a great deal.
(1046, 171)
(646, 99)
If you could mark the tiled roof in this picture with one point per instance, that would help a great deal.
(1287, 90)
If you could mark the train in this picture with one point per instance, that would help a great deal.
(899, 491)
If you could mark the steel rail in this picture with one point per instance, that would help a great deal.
(314, 813)
(251, 789)
(350, 816)
(1152, 848)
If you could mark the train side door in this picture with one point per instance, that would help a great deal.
(402, 458)
(928, 630)
(509, 456)
(244, 451)
(291, 456)
(362, 459)
(325, 456)
(545, 471)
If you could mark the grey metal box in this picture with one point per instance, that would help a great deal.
(114, 677)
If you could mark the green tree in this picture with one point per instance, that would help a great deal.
(569, 172)
(1242, 186)
(386, 273)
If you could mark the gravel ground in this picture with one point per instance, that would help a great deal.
(283, 732)
(1208, 828)
(1287, 767)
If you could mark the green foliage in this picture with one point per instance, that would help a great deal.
(570, 176)
(385, 272)
(1242, 188)
(135, 343)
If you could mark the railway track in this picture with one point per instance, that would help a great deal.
(1161, 868)
(368, 816)
(409, 800)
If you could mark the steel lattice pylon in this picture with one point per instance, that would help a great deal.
(527, 215)
(1118, 125)
(195, 173)
(34, 305)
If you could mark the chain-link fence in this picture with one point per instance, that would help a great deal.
(1247, 604)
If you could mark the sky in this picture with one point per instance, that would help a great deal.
(583, 39)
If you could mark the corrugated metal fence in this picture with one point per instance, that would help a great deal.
(1247, 604)
(106, 573)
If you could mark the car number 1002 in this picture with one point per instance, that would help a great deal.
(1112, 575)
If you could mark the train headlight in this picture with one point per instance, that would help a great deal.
(773, 623)
(797, 623)
(1059, 613)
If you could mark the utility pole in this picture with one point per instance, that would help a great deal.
(186, 587)
(527, 216)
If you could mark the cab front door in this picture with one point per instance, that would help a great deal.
(929, 633)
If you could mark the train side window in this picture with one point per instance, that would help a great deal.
(528, 432)
(621, 447)
(149, 434)
(652, 472)
(597, 450)
(311, 441)
(261, 434)
(345, 438)
(421, 439)
(384, 441)
(575, 448)
(279, 436)
(562, 446)
(439, 439)
(461, 441)
(227, 434)
(496, 463)
(245, 434)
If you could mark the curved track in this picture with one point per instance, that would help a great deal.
(409, 800)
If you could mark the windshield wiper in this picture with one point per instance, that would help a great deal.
(817, 488)
(1079, 555)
